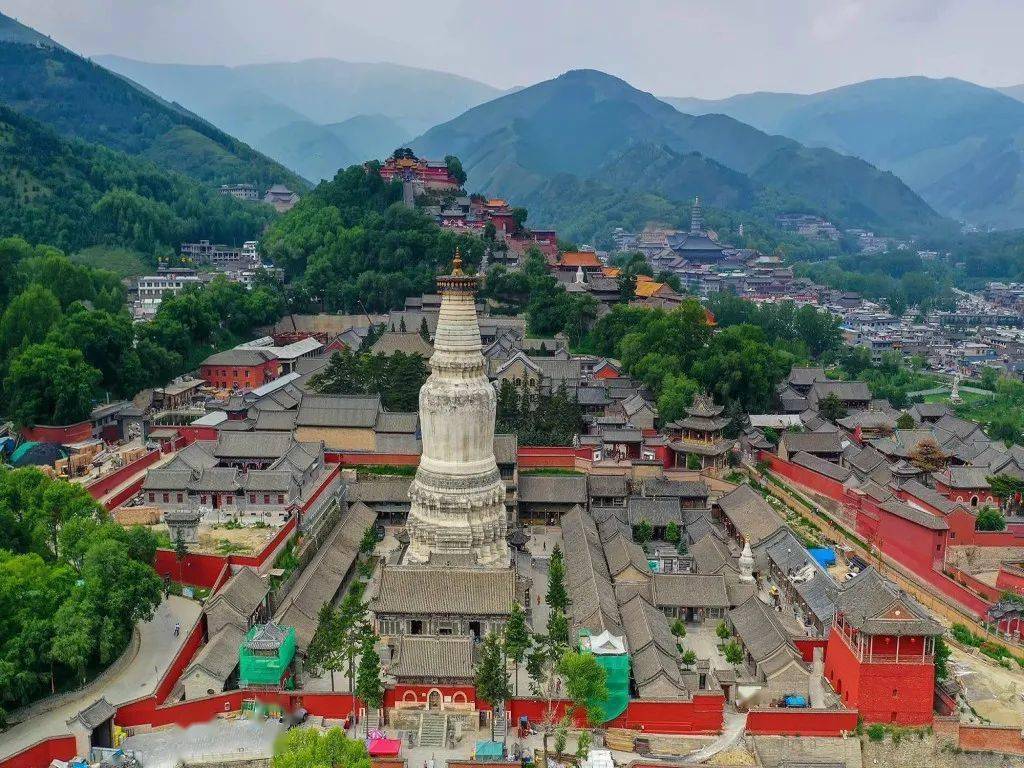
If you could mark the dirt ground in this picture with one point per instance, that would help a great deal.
(218, 540)
(994, 693)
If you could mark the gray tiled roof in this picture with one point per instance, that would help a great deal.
(381, 490)
(749, 513)
(506, 448)
(553, 489)
(252, 445)
(244, 591)
(867, 599)
(443, 658)
(823, 467)
(621, 552)
(388, 421)
(915, 515)
(460, 591)
(812, 442)
(759, 628)
(929, 496)
(711, 555)
(689, 590)
(660, 511)
(219, 657)
(678, 489)
(357, 411)
(239, 357)
(607, 486)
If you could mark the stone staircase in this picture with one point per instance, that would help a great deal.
(433, 730)
(372, 720)
(500, 726)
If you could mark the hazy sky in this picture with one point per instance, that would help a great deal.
(670, 47)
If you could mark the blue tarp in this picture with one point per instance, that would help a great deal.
(490, 750)
(824, 556)
(796, 701)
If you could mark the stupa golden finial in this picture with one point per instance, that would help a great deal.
(457, 262)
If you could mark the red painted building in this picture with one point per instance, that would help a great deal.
(433, 174)
(241, 369)
(967, 485)
(880, 657)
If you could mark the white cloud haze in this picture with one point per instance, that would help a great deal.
(670, 47)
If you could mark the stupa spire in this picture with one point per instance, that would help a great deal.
(458, 495)
(696, 217)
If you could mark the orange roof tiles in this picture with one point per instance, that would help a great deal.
(647, 288)
(580, 259)
(611, 271)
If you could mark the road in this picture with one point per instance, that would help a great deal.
(157, 648)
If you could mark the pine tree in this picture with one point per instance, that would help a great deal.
(491, 680)
(517, 638)
(557, 596)
(369, 687)
(558, 628)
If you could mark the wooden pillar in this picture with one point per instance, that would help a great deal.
(897, 649)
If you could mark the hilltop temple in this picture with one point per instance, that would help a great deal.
(458, 495)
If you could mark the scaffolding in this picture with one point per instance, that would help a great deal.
(265, 655)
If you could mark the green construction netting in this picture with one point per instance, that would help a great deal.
(263, 667)
(617, 669)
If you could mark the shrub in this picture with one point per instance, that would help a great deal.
(876, 732)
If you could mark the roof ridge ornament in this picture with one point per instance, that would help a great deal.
(457, 262)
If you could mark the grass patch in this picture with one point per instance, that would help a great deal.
(549, 471)
(123, 262)
(401, 470)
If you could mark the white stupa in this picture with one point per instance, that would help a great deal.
(746, 563)
(458, 495)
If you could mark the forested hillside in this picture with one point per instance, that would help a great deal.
(72, 195)
(82, 100)
(350, 246)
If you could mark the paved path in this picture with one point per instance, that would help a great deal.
(157, 649)
(735, 724)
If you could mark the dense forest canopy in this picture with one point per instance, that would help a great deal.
(72, 195)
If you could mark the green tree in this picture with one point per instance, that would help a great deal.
(326, 651)
(586, 684)
(369, 686)
(455, 169)
(676, 396)
(1008, 489)
(989, 519)
(733, 653)
(542, 666)
(673, 534)
(557, 597)
(679, 628)
(28, 318)
(313, 748)
(642, 532)
(689, 658)
(491, 675)
(516, 639)
(905, 421)
(368, 542)
(942, 654)
(831, 408)
(723, 631)
(558, 627)
(693, 462)
(47, 384)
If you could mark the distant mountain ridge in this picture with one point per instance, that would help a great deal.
(583, 120)
(957, 144)
(317, 115)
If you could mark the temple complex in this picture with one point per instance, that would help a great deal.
(458, 495)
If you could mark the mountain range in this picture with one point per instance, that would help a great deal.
(315, 116)
(958, 145)
(583, 123)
